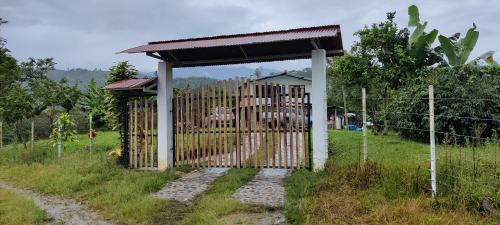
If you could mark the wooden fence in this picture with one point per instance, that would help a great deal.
(142, 136)
(242, 123)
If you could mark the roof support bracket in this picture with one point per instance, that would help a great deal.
(314, 44)
(152, 54)
(244, 52)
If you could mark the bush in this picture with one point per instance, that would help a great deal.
(466, 98)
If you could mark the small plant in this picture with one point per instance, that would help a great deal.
(63, 130)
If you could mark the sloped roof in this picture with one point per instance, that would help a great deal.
(245, 48)
(286, 74)
(130, 84)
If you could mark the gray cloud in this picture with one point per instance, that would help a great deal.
(88, 33)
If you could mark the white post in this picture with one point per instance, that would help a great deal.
(32, 134)
(432, 140)
(1, 134)
(90, 132)
(319, 123)
(165, 120)
(59, 139)
(346, 118)
(365, 131)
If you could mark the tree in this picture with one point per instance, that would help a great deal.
(420, 42)
(63, 130)
(121, 71)
(96, 102)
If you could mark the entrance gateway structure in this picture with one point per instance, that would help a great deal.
(316, 43)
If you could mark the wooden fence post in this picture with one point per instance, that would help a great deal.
(432, 140)
(59, 139)
(32, 134)
(365, 131)
(90, 132)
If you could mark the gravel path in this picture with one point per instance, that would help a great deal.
(188, 187)
(63, 211)
(265, 189)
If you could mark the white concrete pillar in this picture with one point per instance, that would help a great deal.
(318, 100)
(165, 120)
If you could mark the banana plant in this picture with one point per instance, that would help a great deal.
(486, 58)
(457, 52)
(420, 41)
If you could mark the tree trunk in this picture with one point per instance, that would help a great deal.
(32, 134)
(90, 133)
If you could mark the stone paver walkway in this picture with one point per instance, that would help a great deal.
(63, 211)
(265, 189)
(188, 187)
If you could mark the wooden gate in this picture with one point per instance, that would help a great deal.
(142, 136)
(242, 123)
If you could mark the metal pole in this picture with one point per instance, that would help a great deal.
(365, 131)
(432, 140)
(346, 121)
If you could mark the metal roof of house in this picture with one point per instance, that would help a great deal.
(245, 48)
(285, 74)
(138, 86)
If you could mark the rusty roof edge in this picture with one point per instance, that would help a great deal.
(302, 29)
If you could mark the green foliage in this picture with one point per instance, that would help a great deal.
(455, 87)
(420, 41)
(458, 52)
(98, 103)
(121, 71)
(63, 129)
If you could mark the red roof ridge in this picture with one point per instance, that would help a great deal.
(302, 29)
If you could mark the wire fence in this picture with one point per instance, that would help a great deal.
(456, 150)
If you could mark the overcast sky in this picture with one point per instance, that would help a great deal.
(87, 33)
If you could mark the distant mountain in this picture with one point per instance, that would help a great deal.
(194, 77)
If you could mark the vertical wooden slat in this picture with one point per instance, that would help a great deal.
(248, 119)
(305, 155)
(141, 131)
(219, 121)
(152, 134)
(135, 133)
(224, 114)
(279, 150)
(193, 141)
(274, 120)
(203, 133)
(177, 112)
(186, 134)
(146, 133)
(266, 123)
(214, 126)
(297, 117)
(231, 134)
(254, 113)
(262, 142)
(237, 133)
(243, 122)
(290, 121)
(198, 122)
(285, 139)
(130, 130)
(209, 126)
(181, 136)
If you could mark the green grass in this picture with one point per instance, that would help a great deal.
(117, 193)
(217, 202)
(392, 188)
(17, 210)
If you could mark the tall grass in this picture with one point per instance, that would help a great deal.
(391, 188)
(118, 193)
(17, 210)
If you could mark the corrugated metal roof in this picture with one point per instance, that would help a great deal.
(130, 84)
(285, 74)
(239, 39)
